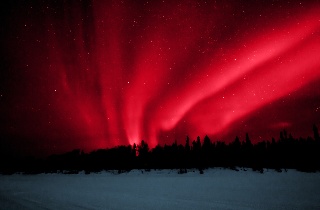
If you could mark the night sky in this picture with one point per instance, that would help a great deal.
(97, 74)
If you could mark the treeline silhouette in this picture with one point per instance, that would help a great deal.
(285, 153)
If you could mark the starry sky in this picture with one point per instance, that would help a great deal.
(96, 74)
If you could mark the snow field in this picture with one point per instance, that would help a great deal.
(165, 189)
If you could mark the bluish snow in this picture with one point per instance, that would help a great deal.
(165, 189)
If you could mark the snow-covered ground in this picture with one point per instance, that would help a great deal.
(215, 189)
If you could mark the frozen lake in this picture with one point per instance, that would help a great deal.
(215, 189)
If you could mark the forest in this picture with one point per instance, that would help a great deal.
(287, 152)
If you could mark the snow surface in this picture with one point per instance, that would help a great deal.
(165, 189)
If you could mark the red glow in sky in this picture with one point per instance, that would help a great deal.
(96, 74)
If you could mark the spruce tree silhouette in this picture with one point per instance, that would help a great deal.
(187, 146)
(206, 147)
(206, 143)
(248, 141)
(246, 152)
(198, 144)
(143, 150)
(134, 150)
(316, 133)
(236, 143)
(187, 154)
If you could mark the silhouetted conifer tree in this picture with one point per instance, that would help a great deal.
(143, 150)
(206, 143)
(236, 143)
(206, 146)
(316, 133)
(248, 142)
(281, 136)
(187, 146)
(198, 142)
(134, 149)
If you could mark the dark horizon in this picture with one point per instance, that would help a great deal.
(26, 151)
(287, 152)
